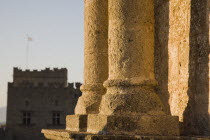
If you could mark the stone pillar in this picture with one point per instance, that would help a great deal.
(96, 56)
(131, 55)
(95, 64)
(131, 105)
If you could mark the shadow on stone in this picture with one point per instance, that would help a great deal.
(196, 116)
(161, 50)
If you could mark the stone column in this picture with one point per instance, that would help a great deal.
(131, 56)
(95, 56)
(131, 105)
(95, 64)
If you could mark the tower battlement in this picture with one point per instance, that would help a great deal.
(44, 77)
(74, 85)
(47, 72)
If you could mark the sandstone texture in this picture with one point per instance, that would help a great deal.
(156, 84)
(131, 57)
(96, 56)
(181, 61)
(76, 123)
(130, 105)
(96, 59)
(69, 135)
(149, 125)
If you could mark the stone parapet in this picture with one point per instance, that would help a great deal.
(44, 77)
(47, 73)
(44, 85)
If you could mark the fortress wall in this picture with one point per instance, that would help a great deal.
(44, 76)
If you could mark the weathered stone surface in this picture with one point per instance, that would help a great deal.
(145, 124)
(131, 39)
(124, 100)
(131, 82)
(96, 56)
(131, 54)
(60, 134)
(131, 104)
(90, 101)
(172, 53)
(181, 61)
(114, 137)
(197, 113)
(76, 123)
(67, 135)
(178, 51)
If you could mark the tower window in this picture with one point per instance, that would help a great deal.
(26, 118)
(56, 118)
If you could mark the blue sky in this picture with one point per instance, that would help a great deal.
(56, 27)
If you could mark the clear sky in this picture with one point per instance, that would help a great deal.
(56, 27)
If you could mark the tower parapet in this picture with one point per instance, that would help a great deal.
(46, 77)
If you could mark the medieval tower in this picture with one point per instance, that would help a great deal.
(39, 99)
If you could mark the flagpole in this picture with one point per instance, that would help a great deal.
(27, 52)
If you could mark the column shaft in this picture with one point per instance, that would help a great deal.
(130, 105)
(131, 59)
(131, 39)
(96, 56)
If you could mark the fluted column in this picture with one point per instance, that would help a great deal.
(95, 56)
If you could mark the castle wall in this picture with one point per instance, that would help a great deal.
(44, 77)
(41, 104)
(40, 101)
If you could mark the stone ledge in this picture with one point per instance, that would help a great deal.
(151, 125)
(76, 123)
(61, 134)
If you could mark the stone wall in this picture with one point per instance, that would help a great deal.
(42, 77)
(41, 102)
(181, 60)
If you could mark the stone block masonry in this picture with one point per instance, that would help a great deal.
(39, 99)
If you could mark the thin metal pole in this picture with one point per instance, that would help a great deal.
(27, 53)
